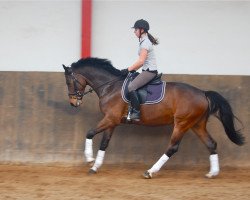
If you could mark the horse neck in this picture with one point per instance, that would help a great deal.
(99, 80)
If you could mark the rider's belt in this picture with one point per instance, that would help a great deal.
(152, 71)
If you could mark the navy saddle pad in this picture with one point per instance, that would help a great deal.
(151, 93)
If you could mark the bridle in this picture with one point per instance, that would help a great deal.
(79, 95)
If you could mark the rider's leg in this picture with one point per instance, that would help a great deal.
(141, 80)
(135, 103)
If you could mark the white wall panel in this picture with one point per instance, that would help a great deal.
(196, 37)
(39, 35)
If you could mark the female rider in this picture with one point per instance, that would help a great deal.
(146, 60)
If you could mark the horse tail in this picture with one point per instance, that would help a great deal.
(221, 108)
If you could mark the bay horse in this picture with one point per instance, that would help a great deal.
(184, 106)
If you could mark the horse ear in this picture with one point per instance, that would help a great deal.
(68, 70)
(65, 68)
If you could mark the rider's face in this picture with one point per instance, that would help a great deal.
(137, 32)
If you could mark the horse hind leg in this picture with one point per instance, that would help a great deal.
(211, 145)
(171, 150)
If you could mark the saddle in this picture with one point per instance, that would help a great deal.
(151, 93)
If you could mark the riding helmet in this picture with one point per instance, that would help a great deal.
(142, 24)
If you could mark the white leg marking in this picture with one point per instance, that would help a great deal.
(157, 166)
(89, 150)
(214, 166)
(99, 160)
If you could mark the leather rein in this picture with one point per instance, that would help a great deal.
(79, 95)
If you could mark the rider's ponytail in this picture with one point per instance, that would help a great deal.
(152, 39)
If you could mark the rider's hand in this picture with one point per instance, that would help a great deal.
(124, 72)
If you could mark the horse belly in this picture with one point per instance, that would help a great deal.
(155, 115)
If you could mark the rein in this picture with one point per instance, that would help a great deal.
(80, 95)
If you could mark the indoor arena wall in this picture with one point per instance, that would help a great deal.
(38, 125)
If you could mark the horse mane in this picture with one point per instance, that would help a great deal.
(98, 63)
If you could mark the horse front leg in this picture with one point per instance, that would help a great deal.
(89, 144)
(102, 126)
(101, 153)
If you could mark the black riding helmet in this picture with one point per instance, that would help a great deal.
(141, 24)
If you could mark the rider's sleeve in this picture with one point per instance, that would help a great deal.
(146, 44)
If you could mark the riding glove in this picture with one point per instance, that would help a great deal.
(124, 72)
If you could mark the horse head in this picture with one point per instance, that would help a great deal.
(76, 84)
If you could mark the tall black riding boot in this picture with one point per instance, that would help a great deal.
(135, 103)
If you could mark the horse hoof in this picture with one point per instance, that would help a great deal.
(91, 163)
(91, 171)
(211, 174)
(147, 175)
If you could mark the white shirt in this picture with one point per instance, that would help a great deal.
(150, 62)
